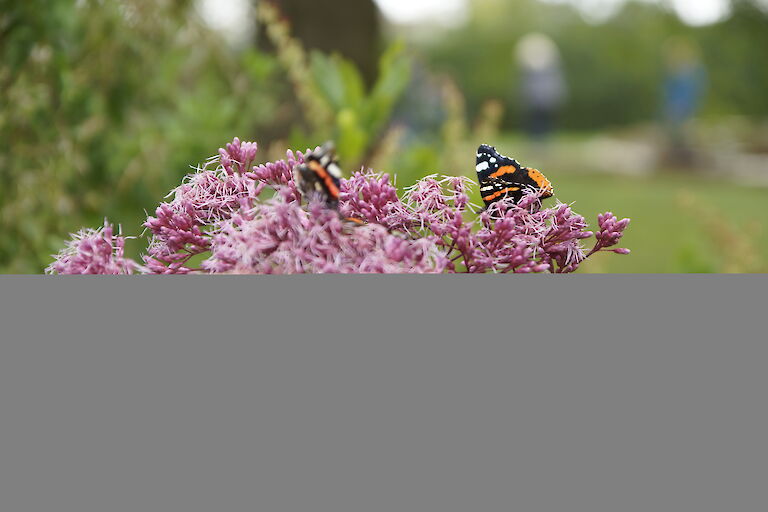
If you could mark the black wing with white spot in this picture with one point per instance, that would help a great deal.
(503, 177)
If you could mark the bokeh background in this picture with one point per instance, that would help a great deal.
(654, 109)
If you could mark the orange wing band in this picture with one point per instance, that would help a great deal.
(507, 169)
(333, 190)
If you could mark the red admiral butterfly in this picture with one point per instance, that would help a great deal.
(319, 178)
(501, 176)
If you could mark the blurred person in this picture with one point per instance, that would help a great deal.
(543, 88)
(683, 87)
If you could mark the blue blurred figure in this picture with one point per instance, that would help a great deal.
(684, 83)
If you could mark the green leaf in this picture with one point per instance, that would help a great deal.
(338, 81)
(352, 137)
(328, 79)
(394, 75)
(354, 88)
(258, 65)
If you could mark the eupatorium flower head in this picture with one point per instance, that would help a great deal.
(372, 198)
(94, 251)
(611, 231)
(283, 237)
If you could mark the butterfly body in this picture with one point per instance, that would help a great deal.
(501, 177)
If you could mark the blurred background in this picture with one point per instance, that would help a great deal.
(653, 109)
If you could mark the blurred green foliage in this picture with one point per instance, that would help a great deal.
(360, 115)
(613, 69)
(103, 107)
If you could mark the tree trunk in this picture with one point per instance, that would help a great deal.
(350, 27)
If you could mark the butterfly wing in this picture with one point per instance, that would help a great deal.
(500, 176)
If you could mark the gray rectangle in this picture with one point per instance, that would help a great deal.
(392, 393)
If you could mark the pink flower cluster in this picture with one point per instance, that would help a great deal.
(506, 237)
(232, 217)
(94, 251)
(283, 237)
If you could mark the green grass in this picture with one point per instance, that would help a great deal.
(722, 231)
